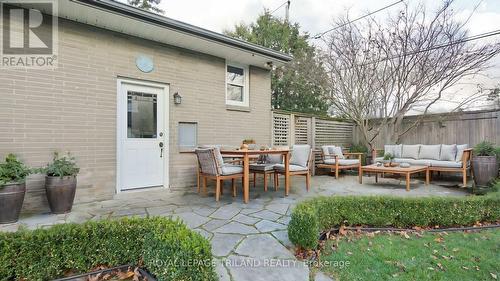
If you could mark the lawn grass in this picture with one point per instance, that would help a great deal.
(445, 256)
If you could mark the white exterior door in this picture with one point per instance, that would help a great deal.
(142, 135)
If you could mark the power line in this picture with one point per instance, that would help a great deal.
(319, 35)
(286, 2)
(467, 39)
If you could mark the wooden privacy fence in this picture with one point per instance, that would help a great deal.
(469, 127)
(291, 128)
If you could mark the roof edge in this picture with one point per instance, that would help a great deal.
(133, 12)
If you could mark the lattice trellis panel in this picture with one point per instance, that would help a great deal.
(281, 127)
(302, 130)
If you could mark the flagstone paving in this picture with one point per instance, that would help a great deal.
(249, 241)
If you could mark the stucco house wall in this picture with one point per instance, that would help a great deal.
(74, 107)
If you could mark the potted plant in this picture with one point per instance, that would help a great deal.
(60, 183)
(388, 157)
(246, 143)
(485, 163)
(360, 148)
(13, 175)
(249, 141)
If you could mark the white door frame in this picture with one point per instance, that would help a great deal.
(119, 129)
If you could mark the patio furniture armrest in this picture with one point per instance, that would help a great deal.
(357, 154)
(375, 152)
(310, 160)
(466, 156)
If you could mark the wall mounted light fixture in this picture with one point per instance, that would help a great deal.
(177, 98)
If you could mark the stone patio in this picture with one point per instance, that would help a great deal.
(249, 241)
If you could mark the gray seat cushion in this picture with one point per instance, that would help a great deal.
(393, 149)
(421, 162)
(460, 151)
(418, 162)
(228, 169)
(410, 151)
(430, 152)
(342, 162)
(300, 155)
(448, 152)
(262, 167)
(446, 164)
(402, 160)
(293, 168)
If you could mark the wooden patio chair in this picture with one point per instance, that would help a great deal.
(335, 159)
(266, 168)
(211, 166)
(301, 161)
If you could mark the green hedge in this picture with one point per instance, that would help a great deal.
(46, 254)
(303, 225)
(329, 212)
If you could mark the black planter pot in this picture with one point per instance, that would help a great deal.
(11, 202)
(60, 193)
(485, 169)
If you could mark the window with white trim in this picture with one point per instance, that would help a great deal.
(237, 85)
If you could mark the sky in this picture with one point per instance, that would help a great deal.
(315, 16)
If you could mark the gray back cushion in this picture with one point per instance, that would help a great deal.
(207, 161)
(218, 156)
(336, 151)
(448, 152)
(274, 158)
(430, 152)
(460, 151)
(411, 151)
(300, 155)
(326, 150)
(217, 151)
(393, 149)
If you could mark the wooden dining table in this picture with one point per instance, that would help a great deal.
(246, 154)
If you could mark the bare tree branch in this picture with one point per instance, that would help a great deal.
(386, 69)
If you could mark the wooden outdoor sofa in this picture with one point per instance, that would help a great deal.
(439, 158)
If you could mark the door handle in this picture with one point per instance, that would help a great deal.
(161, 149)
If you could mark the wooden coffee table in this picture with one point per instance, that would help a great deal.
(398, 170)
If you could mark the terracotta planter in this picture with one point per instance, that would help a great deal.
(485, 169)
(60, 193)
(11, 202)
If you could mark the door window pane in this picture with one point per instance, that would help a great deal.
(141, 115)
(188, 134)
(235, 93)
